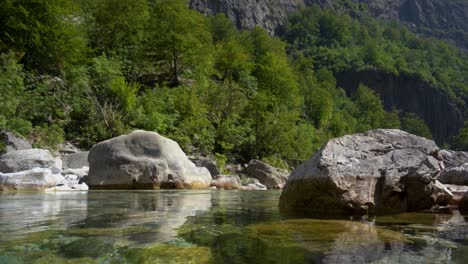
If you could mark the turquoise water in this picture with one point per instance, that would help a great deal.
(212, 226)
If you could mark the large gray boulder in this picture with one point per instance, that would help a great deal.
(13, 142)
(143, 160)
(271, 177)
(76, 160)
(383, 170)
(27, 159)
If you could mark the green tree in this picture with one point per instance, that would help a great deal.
(413, 124)
(49, 33)
(460, 141)
(117, 25)
(370, 112)
(178, 39)
(12, 91)
(113, 100)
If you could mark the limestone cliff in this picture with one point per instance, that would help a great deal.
(445, 19)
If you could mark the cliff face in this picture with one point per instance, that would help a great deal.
(411, 94)
(246, 14)
(444, 19)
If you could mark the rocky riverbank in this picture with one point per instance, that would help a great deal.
(139, 160)
(376, 171)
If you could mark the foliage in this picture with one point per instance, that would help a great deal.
(178, 38)
(91, 70)
(460, 141)
(411, 123)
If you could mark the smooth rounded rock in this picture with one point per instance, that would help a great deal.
(143, 160)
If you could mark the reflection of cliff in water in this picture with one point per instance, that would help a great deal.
(161, 211)
(23, 213)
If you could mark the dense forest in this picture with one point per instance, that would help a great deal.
(85, 71)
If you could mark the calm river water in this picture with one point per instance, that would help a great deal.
(212, 227)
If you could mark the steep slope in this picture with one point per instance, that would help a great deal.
(437, 18)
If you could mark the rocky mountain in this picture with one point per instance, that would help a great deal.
(444, 19)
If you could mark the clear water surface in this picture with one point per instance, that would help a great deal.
(212, 227)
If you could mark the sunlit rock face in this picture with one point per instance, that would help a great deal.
(376, 171)
(143, 160)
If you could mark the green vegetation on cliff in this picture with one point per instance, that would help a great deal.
(90, 70)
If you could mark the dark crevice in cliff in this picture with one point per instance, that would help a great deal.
(413, 95)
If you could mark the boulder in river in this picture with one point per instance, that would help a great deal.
(271, 177)
(143, 160)
(30, 169)
(36, 179)
(252, 184)
(383, 170)
(227, 182)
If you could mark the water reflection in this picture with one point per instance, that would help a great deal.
(212, 227)
(23, 213)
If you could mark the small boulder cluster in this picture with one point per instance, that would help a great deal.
(23, 168)
(256, 175)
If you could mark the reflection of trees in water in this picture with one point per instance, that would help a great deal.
(32, 212)
(163, 210)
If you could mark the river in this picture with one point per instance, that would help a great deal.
(212, 226)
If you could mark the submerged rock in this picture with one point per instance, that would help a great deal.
(92, 247)
(383, 170)
(271, 177)
(305, 241)
(143, 160)
(168, 253)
